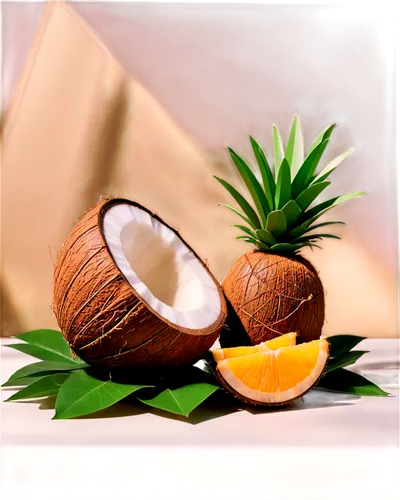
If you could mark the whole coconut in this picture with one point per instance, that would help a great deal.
(269, 295)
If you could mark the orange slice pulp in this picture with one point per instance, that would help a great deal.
(274, 377)
(233, 352)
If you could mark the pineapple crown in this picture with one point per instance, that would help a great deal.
(283, 221)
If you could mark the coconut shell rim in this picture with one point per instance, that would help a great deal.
(217, 324)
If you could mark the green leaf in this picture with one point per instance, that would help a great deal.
(342, 344)
(266, 237)
(323, 136)
(242, 202)
(254, 187)
(45, 386)
(82, 394)
(285, 248)
(306, 171)
(247, 239)
(276, 222)
(315, 236)
(295, 148)
(346, 359)
(266, 173)
(240, 214)
(325, 172)
(345, 381)
(246, 230)
(292, 212)
(323, 207)
(308, 196)
(262, 246)
(306, 227)
(278, 150)
(181, 400)
(43, 367)
(18, 382)
(283, 186)
(48, 345)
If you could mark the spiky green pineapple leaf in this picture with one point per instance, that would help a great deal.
(306, 171)
(246, 230)
(247, 239)
(254, 187)
(305, 228)
(240, 214)
(295, 147)
(276, 223)
(266, 173)
(323, 207)
(292, 212)
(262, 246)
(285, 248)
(242, 202)
(265, 237)
(326, 172)
(314, 237)
(279, 154)
(283, 185)
(323, 136)
(305, 199)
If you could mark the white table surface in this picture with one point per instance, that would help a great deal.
(328, 446)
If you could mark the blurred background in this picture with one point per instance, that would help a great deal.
(138, 99)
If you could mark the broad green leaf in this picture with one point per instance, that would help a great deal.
(325, 172)
(345, 381)
(45, 386)
(309, 195)
(295, 148)
(323, 207)
(242, 215)
(323, 136)
(254, 187)
(19, 382)
(48, 345)
(305, 228)
(316, 236)
(292, 212)
(285, 248)
(279, 154)
(43, 367)
(181, 400)
(306, 171)
(266, 237)
(276, 223)
(283, 187)
(266, 173)
(242, 202)
(82, 394)
(246, 230)
(342, 344)
(262, 246)
(346, 359)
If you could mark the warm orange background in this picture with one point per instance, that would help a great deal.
(80, 126)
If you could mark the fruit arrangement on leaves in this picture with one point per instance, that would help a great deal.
(80, 389)
(274, 290)
(137, 307)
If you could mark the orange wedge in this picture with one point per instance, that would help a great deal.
(274, 377)
(233, 352)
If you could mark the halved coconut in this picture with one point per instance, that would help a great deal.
(129, 292)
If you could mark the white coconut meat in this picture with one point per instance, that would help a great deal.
(161, 268)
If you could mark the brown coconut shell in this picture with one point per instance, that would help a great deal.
(269, 295)
(103, 319)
